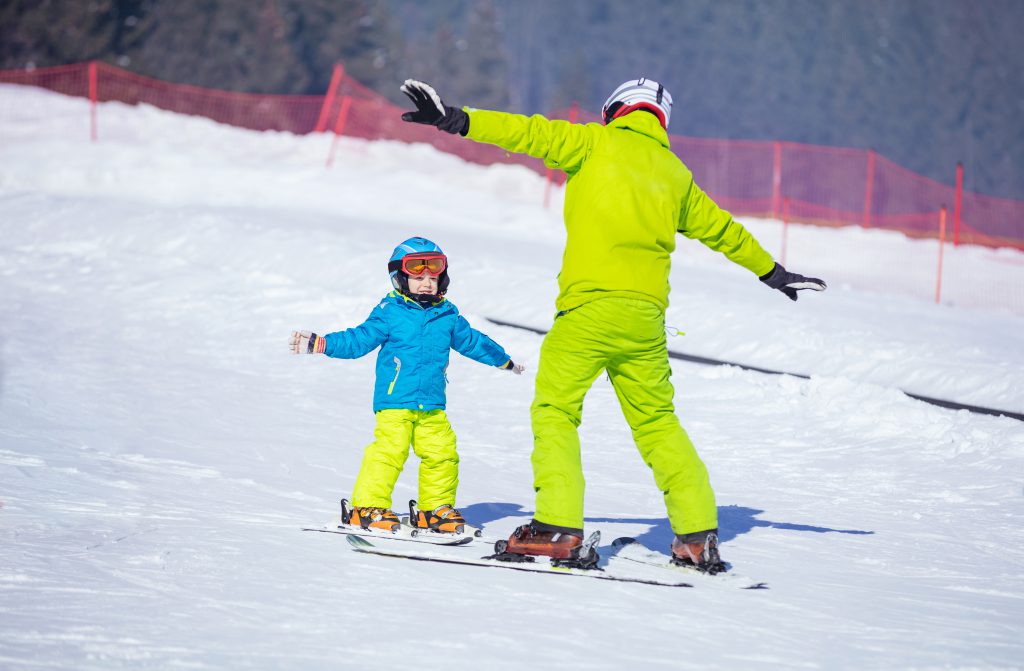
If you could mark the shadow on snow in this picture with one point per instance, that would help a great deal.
(733, 521)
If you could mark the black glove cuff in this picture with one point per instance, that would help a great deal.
(509, 366)
(773, 278)
(454, 121)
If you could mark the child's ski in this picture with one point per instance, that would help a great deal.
(612, 571)
(630, 550)
(402, 533)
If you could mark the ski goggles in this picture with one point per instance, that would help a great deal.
(416, 265)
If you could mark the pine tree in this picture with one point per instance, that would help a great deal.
(485, 59)
(44, 33)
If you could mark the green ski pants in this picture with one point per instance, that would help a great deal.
(626, 337)
(433, 441)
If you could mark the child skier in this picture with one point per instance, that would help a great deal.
(415, 327)
(626, 198)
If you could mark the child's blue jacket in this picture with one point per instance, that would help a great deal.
(414, 345)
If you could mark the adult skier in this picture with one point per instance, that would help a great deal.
(626, 197)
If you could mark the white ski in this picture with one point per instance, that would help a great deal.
(469, 531)
(402, 533)
(629, 549)
(611, 570)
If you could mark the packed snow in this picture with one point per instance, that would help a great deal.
(160, 448)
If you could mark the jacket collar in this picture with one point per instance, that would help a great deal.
(644, 123)
(402, 299)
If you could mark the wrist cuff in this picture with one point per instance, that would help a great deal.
(454, 121)
(765, 277)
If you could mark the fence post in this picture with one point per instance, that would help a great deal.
(574, 113)
(957, 202)
(339, 127)
(942, 240)
(92, 100)
(776, 177)
(869, 187)
(332, 91)
(785, 228)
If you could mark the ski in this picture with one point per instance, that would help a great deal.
(629, 549)
(474, 534)
(612, 571)
(402, 533)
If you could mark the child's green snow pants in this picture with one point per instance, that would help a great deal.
(626, 337)
(433, 441)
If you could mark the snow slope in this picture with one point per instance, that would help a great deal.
(159, 448)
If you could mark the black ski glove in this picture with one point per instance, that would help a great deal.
(789, 283)
(431, 111)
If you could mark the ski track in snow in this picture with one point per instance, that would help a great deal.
(159, 448)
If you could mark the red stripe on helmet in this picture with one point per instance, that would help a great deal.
(658, 112)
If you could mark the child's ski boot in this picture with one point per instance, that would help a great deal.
(699, 551)
(444, 519)
(370, 518)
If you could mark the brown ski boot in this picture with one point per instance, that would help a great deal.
(565, 547)
(533, 541)
(698, 550)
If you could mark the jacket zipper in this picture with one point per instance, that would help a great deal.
(398, 369)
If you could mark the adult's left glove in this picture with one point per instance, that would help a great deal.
(431, 111)
(789, 283)
(305, 342)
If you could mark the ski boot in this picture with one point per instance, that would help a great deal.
(444, 519)
(699, 551)
(564, 548)
(370, 518)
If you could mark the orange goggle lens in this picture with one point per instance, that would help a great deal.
(415, 266)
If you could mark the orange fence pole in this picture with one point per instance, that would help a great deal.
(869, 186)
(574, 113)
(92, 100)
(785, 228)
(959, 197)
(942, 241)
(339, 127)
(332, 91)
(776, 178)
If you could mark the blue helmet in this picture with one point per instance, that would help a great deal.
(415, 247)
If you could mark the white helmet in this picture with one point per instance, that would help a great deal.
(639, 94)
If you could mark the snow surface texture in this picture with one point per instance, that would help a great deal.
(160, 448)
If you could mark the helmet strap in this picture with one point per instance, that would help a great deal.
(400, 281)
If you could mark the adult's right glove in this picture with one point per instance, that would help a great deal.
(431, 111)
(305, 342)
(789, 283)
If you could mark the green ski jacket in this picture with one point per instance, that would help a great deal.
(626, 197)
